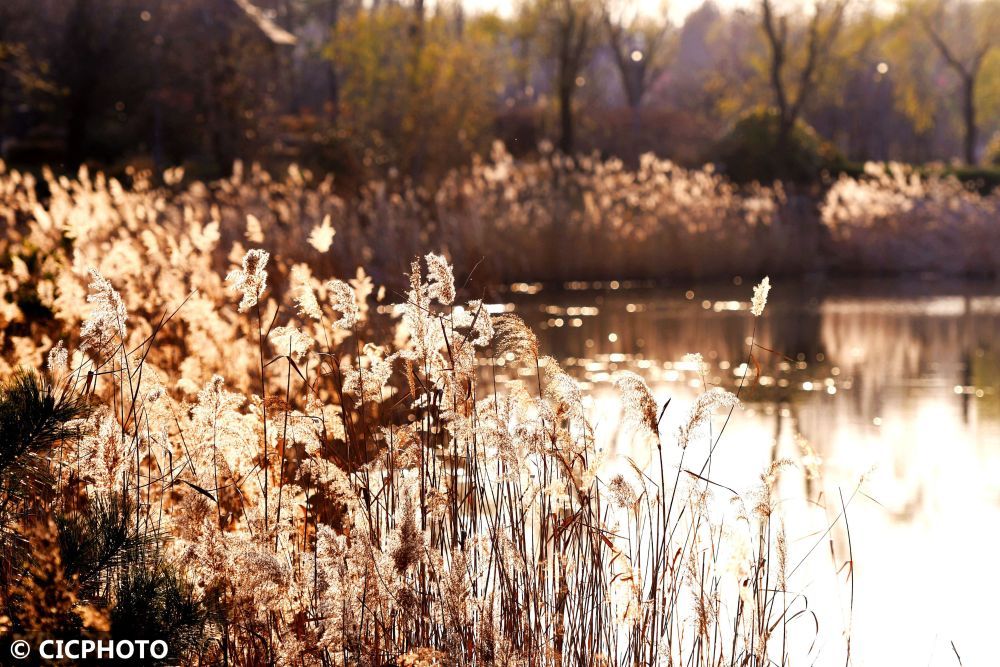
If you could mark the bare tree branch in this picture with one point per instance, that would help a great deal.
(821, 33)
(968, 73)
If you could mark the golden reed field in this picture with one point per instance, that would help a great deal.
(223, 433)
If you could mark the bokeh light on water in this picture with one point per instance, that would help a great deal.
(897, 383)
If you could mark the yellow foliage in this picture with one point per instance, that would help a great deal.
(420, 94)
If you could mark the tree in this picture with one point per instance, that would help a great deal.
(976, 35)
(639, 44)
(24, 75)
(821, 32)
(397, 100)
(568, 29)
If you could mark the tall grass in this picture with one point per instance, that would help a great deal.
(325, 478)
(896, 219)
(360, 501)
(550, 219)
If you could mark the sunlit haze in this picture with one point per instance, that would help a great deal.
(678, 10)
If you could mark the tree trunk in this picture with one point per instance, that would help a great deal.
(566, 138)
(969, 116)
(79, 77)
(79, 110)
(332, 78)
(785, 125)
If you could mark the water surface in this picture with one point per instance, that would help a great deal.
(893, 383)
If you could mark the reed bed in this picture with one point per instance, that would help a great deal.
(898, 220)
(549, 219)
(267, 467)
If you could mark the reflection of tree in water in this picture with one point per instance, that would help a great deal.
(880, 348)
(893, 346)
(842, 363)
(984, 375)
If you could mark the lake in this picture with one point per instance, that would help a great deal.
(893, 383)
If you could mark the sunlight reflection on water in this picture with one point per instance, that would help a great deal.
(898, 382)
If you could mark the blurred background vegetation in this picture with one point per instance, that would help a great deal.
(409, 90)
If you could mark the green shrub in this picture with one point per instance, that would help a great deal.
(992, 157)
(750, 152)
